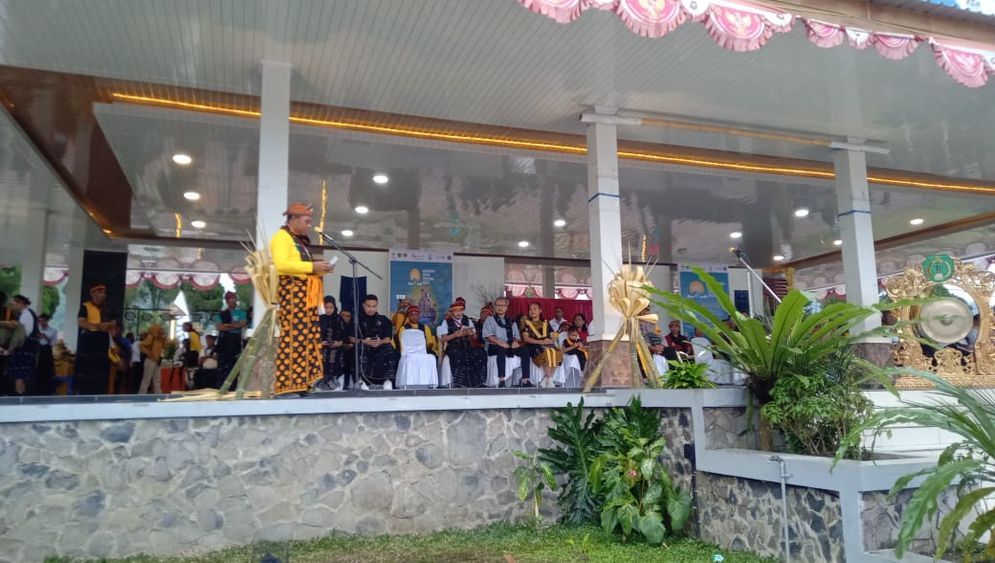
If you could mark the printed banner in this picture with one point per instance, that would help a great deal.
(423, 277)
(692, 287)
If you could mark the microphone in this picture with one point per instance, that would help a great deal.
(737, 252)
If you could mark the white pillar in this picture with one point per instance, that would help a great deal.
(74, 281)
(274, 156)
(853, 204)
(33, 266)
(605, 224)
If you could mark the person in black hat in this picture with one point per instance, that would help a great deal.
(93, 366)
(230, 332)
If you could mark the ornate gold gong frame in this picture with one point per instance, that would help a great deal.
(973, 370)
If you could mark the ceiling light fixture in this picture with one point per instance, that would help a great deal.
(778, 258)
(198, 224)
(523, 244)
(380, 179)
(565, 147)
(838, 242)
(182, 159)
(347, 233)
(801, 212)
(736, 235)
(560, 223)
(917, 221)
(362, 209)
(192, 196)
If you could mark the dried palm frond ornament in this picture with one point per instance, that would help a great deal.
(261, 348)
(627, 294)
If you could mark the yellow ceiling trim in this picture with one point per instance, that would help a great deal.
(539, 145)
(179, 224)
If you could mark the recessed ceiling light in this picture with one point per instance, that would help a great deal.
(523, 244)
(838, 242)
(736, 234)
(917, 221)
(380, 179)
(801, 212)
(182, 159)
(560, 223)
(362, 209)
(106, 231)
(198, 224)
(192, 196)
(347, 233)
(778, 258)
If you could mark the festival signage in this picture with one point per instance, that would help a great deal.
(425, 278)
(694, 288)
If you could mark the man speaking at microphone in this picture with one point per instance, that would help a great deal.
(298, 356)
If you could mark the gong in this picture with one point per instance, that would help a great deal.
(946, 320)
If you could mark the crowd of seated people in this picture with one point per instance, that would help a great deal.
(403, 350)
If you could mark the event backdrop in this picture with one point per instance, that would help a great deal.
(425, 278)
(694, 288)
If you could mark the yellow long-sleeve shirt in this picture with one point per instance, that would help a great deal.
(287, 258)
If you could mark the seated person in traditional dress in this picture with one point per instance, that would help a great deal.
(580, 325)
(378, 355)
(468, 364)
(558, 323)
(574, 346)
(416, 367)
(503, 339)
(478, 339)
(677, 342)
(542, 343)
(400, 315)
(332, 339)
(654, 341)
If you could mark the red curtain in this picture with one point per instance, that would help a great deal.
(520, 306)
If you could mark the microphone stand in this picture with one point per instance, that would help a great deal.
(742, 260)
(357, 356)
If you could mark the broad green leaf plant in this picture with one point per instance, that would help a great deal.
(532, 478)
(573, 432)
(968, 464)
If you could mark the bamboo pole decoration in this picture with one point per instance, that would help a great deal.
(627, 294)
(260, 268)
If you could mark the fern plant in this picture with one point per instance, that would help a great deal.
(968, 464)
(574, 433)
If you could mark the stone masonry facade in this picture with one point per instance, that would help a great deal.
(739, 513)
(186, 486)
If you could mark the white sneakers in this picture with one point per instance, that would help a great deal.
(387, 385)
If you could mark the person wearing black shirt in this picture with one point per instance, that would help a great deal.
(332, 336)
(230, 329)
(468, 364)
(378, 356)
(677, 342)
(92, 362)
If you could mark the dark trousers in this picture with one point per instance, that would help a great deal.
(503, 354)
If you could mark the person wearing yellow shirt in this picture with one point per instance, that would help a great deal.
(298, 354)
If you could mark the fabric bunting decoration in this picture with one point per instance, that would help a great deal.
(740, 26)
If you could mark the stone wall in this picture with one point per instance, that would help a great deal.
(677, 428)
(881, 519)
(171, 486)
(728, 427)
(739, 513)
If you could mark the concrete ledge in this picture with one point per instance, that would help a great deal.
(385, 401)
(812, 471)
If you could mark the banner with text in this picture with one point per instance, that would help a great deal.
(425, 278)
(694, 288)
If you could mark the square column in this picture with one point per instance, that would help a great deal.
(76, 294)
(274, 157)
(605, 225)
(853, 204)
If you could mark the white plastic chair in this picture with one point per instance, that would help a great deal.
(716, 372)
(510, 365)
(417, 366)
(569, 374)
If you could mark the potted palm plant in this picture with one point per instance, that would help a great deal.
(791, 342)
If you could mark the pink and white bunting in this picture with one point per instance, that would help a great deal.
(744, 26)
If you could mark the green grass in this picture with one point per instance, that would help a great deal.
(500, 543)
